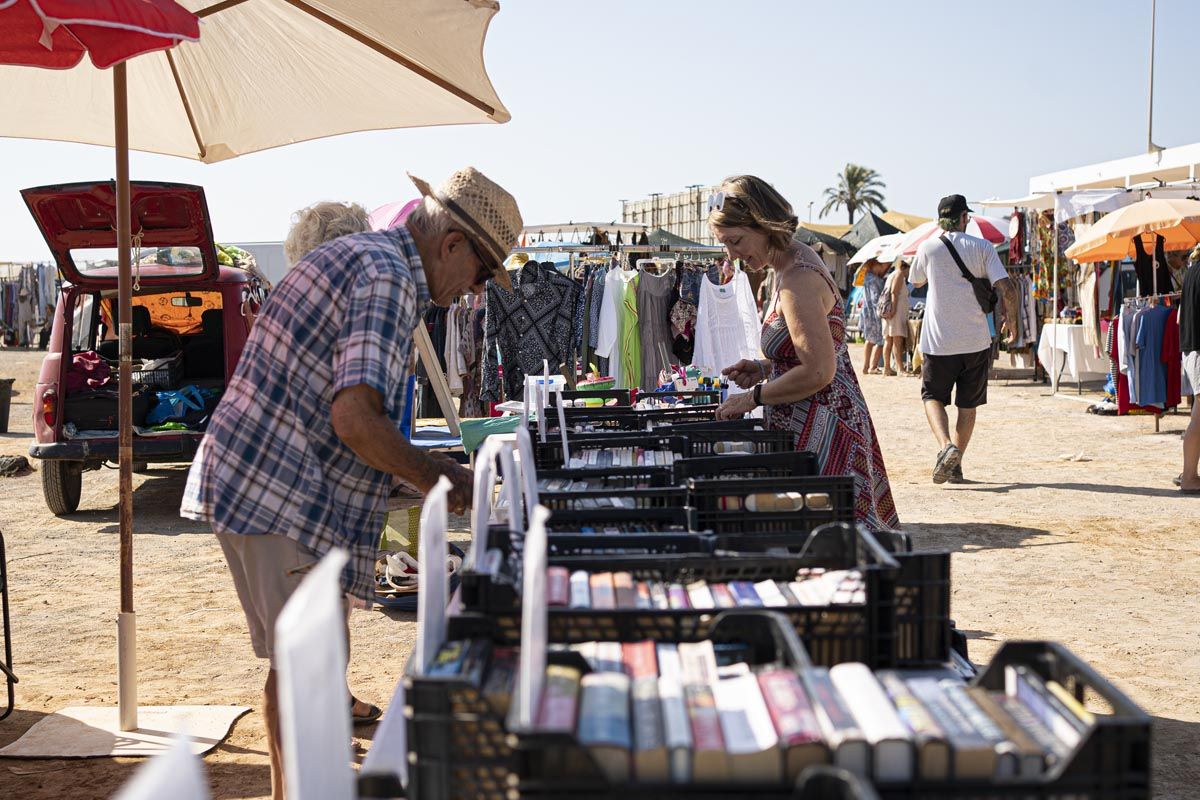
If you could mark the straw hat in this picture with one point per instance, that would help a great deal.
(487, 213)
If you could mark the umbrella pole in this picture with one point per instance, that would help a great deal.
(127, 710)
(1054, 309)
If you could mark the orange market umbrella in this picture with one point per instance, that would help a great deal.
(1111, 239)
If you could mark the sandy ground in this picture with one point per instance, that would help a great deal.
(1069, 530)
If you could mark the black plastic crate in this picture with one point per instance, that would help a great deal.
(765, 465)
(166, 376)
(458, 746)
(831, 634)
(923, 624)
(556, 765)
(740, 529)
(623, 398)
(708, 442)
(1111, 761)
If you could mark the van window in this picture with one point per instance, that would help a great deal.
(178, 312)
(81, 324)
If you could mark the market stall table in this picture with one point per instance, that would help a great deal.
(1063, 347)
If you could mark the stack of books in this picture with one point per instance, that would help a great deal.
(621, 457)
(619, 590)
(658, 713)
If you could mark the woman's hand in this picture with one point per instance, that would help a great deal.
(737, 406)
(745, 373)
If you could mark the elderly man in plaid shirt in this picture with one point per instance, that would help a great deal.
(302, 450)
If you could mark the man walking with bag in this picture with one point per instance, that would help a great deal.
(964, 276)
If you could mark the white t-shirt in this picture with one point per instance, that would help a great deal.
(954, 323)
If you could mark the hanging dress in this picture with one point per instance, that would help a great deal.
(655, 294)
(727, 326)
(834, 423)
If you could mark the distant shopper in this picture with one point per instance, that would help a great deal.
(956, 341)
(895, 327)
(1189, 344)
(806, 383)
(320, 223)
(300, 455)
(872, 325)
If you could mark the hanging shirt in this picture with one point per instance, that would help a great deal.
(631, 338)
(1189, 310)
(727, 326)
(1151, 374)
(534, 322)
(1172, 359)
(612, 318)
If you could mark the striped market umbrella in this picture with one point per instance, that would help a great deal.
(994, 229)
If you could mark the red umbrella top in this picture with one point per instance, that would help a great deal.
(55, 33)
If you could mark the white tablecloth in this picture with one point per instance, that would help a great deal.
(1082, 362)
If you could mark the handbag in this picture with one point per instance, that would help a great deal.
(885, 307)
(985, 292)
(189, 405)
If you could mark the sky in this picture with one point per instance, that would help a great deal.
(615, 99)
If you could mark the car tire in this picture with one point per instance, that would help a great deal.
(62, 483)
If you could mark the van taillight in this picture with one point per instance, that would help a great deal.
(50, 407)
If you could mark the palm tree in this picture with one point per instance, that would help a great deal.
(857, 187)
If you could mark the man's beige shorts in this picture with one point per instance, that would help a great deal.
(266, 570)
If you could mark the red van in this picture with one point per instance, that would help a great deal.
(191, 316)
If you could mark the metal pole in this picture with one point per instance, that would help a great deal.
(1150, 148)
(126, 649)
(1054, 303)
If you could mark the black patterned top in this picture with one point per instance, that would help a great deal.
(537, 320)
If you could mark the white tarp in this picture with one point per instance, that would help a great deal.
(266, 67)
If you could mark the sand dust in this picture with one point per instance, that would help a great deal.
(1070, 530)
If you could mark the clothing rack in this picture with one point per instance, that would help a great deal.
(1151, 299)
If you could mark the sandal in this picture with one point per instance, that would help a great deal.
(1178, 479)
(373, 714)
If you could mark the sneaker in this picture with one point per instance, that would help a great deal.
(956, 475)
(947, 460)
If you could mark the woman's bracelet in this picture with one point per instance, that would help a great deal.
(762, 369)
(756, 393)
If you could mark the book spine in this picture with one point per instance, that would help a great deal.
(1028, 687)
(603, 594)
(677, 596)
(658, 596)
(789, 707)
(625, 595)
(559, 699)
(915, 716)
(831, 710)
(648, 731)
(722, 597)
(770, 595)
(744, 593)
(699, 596)
(580, 593)
(558, 581)
(604, 710)
(643, 596)
(640, 659)
(704, 718)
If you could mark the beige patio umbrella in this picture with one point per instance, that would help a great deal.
(265, 73)
(1111, 239)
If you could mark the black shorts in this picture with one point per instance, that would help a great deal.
(967, 374)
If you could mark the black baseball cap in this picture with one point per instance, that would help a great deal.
(952, 205)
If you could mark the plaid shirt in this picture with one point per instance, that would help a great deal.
(270, 462)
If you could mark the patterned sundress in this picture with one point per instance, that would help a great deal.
(834, 423)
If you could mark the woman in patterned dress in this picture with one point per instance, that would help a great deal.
(806, 381)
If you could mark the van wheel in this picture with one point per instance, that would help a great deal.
(62, 483)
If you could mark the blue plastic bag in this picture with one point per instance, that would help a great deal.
(175, 405)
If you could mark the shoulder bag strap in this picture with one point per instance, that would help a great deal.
(958, 259)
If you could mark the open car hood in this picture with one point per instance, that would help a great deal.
(79, 220)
